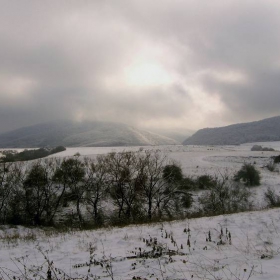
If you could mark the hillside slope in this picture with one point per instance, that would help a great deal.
(258, 131)
(82, 134)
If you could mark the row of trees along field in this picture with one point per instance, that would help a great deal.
(117, 187)
(13, 155)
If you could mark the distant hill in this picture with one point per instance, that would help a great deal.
(258, 131)
(178, 134)
(80, 134)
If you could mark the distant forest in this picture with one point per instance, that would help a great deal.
(12, 156)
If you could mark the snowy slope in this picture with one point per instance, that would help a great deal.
(264, 130)
(248, 249)
(77, 134)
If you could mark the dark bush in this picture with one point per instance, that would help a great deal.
(225, 197)
(249, 175)
(265, 149)
(276, 159)
(260, 148)
(272, 199)
(188, 183)
(256, 148)
(271, 166)
(187, 200)
(172, 173)
(205, 182)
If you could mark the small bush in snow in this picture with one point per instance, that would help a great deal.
(272, 199)
(276, 159)
(271, 166)
(249, 175)
(205, 182)
(225, 196)
(188, 183)
(172, 173)
(260, 148)
(187, 200)
(256, 148)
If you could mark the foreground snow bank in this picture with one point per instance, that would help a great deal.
(238, 246)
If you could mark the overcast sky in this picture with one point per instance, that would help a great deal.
(177, 64)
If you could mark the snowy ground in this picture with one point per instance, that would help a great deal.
(162, 251)
(253, 250)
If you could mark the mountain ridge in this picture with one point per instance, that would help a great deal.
(257, 131)
(74, 134)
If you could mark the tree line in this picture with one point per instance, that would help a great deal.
(12, 156)
(114, 188)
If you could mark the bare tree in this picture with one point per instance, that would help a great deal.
(157, 191)
(71, 174)
(6, 188)
(123, 175)
(53, 193)
(42, 194)
(96, 181)
(16, 213)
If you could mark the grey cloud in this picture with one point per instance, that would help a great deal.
(70, 50)
(240, 37)
(259, 98)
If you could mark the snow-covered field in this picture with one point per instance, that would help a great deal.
(242, 246)
(131, 251)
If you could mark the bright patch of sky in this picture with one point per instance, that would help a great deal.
(152, 64)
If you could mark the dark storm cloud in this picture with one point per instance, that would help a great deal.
(67, 59)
